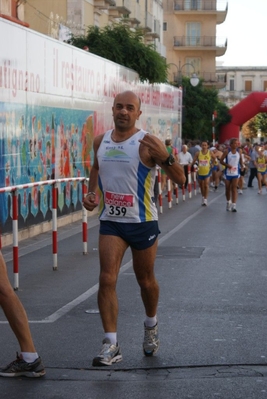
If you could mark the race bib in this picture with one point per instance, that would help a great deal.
(232, 171)
(204, 162)
(119, 205)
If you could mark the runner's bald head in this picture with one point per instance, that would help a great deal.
(129, 95)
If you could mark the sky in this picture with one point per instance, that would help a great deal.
(245, 29)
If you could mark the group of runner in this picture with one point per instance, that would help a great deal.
(228, 164)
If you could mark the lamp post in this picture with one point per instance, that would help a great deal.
(194, 80)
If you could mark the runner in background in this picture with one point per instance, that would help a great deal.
(205, 159)
(233, 163)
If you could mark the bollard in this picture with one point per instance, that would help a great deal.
(160, 191)
(84, 222)
(169, 187)
(189, 184)
(54, 224)
(176, 194)
(15, 239)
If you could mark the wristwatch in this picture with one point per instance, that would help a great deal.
(169, 161)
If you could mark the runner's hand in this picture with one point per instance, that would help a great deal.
(89, 202)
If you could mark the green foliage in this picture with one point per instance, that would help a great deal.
(118, 43)
(259, 122)
(199, 104)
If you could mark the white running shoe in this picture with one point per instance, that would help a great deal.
(109, 354)
(151, 340)
(240, 191)
(228, 206)
(234, 208)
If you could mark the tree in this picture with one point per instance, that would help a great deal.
(257, 123)
(126, 47)
(199, 104)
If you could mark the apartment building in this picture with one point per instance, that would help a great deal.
(239, 82)
(59, 18)
(189, 34)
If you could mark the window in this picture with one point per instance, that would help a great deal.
(232, 84)
(265, 85)
(164, 26)
(248, 85)
(193, 33)
(192, 4)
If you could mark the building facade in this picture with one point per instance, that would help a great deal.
(189, 30)
(182, 31)
(58, 19)
(239, 82)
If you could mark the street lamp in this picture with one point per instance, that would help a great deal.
(194, 80)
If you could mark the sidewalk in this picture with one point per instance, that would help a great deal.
(211, 268)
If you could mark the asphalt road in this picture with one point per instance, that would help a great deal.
(212, 271)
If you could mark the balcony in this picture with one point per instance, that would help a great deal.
(118, 12)
(204, 7)
(104, 4)
(211, 79)
(200, 43)
(131, 22)
(147, 23)
(155, 33)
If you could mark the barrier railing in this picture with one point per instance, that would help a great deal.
(54, 183)
(174, 189)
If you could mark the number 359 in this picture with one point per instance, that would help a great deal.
(117, 211)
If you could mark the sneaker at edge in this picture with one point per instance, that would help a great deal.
(205, 202)
(151, 340)
(240, 191)
(19, 368)
(234, 208)
(228, 206)
(109, 354)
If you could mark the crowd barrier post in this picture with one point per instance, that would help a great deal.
(176, 193)
(54, 224)
(189, 183)
(160, 191)
(15, 239)
(183, 192)
(14, 192)
(169, 187)
(84, 219)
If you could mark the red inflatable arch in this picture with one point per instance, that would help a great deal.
(243, 111)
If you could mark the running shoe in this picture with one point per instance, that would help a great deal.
(19, 368)
(205, 202)
(240, 191)
(259, 192)
(228, 206)
(151, 340)
(234, 208)
(109, 354)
